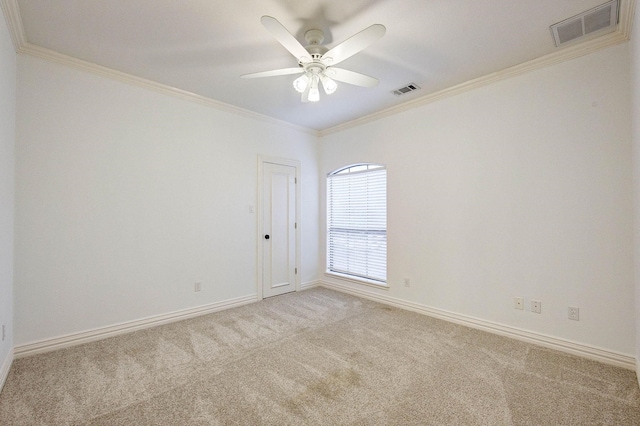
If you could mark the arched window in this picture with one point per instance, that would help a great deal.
(357, 222)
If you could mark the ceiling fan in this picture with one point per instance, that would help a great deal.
(316, 62)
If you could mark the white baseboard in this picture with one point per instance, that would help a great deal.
(127, 327)
(4, 369)
(597, 354)
(310, 284)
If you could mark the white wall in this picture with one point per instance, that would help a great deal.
(7, 161)
(520, 188)
(126, 197)
(635, 129)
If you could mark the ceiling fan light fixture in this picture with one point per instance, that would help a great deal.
(301, 83)
(314, 93)
(317, 68)
(329, 85)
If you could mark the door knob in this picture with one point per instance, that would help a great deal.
(266, 237)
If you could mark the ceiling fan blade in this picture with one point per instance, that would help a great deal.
(285, 38)
(354, 44)
(272, 73)
(351, 77)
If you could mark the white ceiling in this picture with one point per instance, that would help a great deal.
(204, 46)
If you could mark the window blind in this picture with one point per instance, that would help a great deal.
(357, 223)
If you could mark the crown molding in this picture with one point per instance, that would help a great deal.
(620, 35)
(11, 13)
(53, 56)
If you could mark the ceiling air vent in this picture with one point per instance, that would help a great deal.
(597, 19)
(406, 89)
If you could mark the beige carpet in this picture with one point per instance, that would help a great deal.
(316, 357)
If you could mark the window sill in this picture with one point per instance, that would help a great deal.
(370, 283)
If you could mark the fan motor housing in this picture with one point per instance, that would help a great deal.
(316, 51)
(314, 37)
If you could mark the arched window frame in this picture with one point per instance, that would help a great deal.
(357, 223)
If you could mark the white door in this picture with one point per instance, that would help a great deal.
(278, 229)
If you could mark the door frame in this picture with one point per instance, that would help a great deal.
(262, 159)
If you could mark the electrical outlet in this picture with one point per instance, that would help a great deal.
(536, 306)
(518, 303)
(197, 286)
(407, 282)
(574, 313)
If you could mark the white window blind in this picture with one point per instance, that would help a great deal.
(357, 222)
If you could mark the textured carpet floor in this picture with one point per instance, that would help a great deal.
(315, 357)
